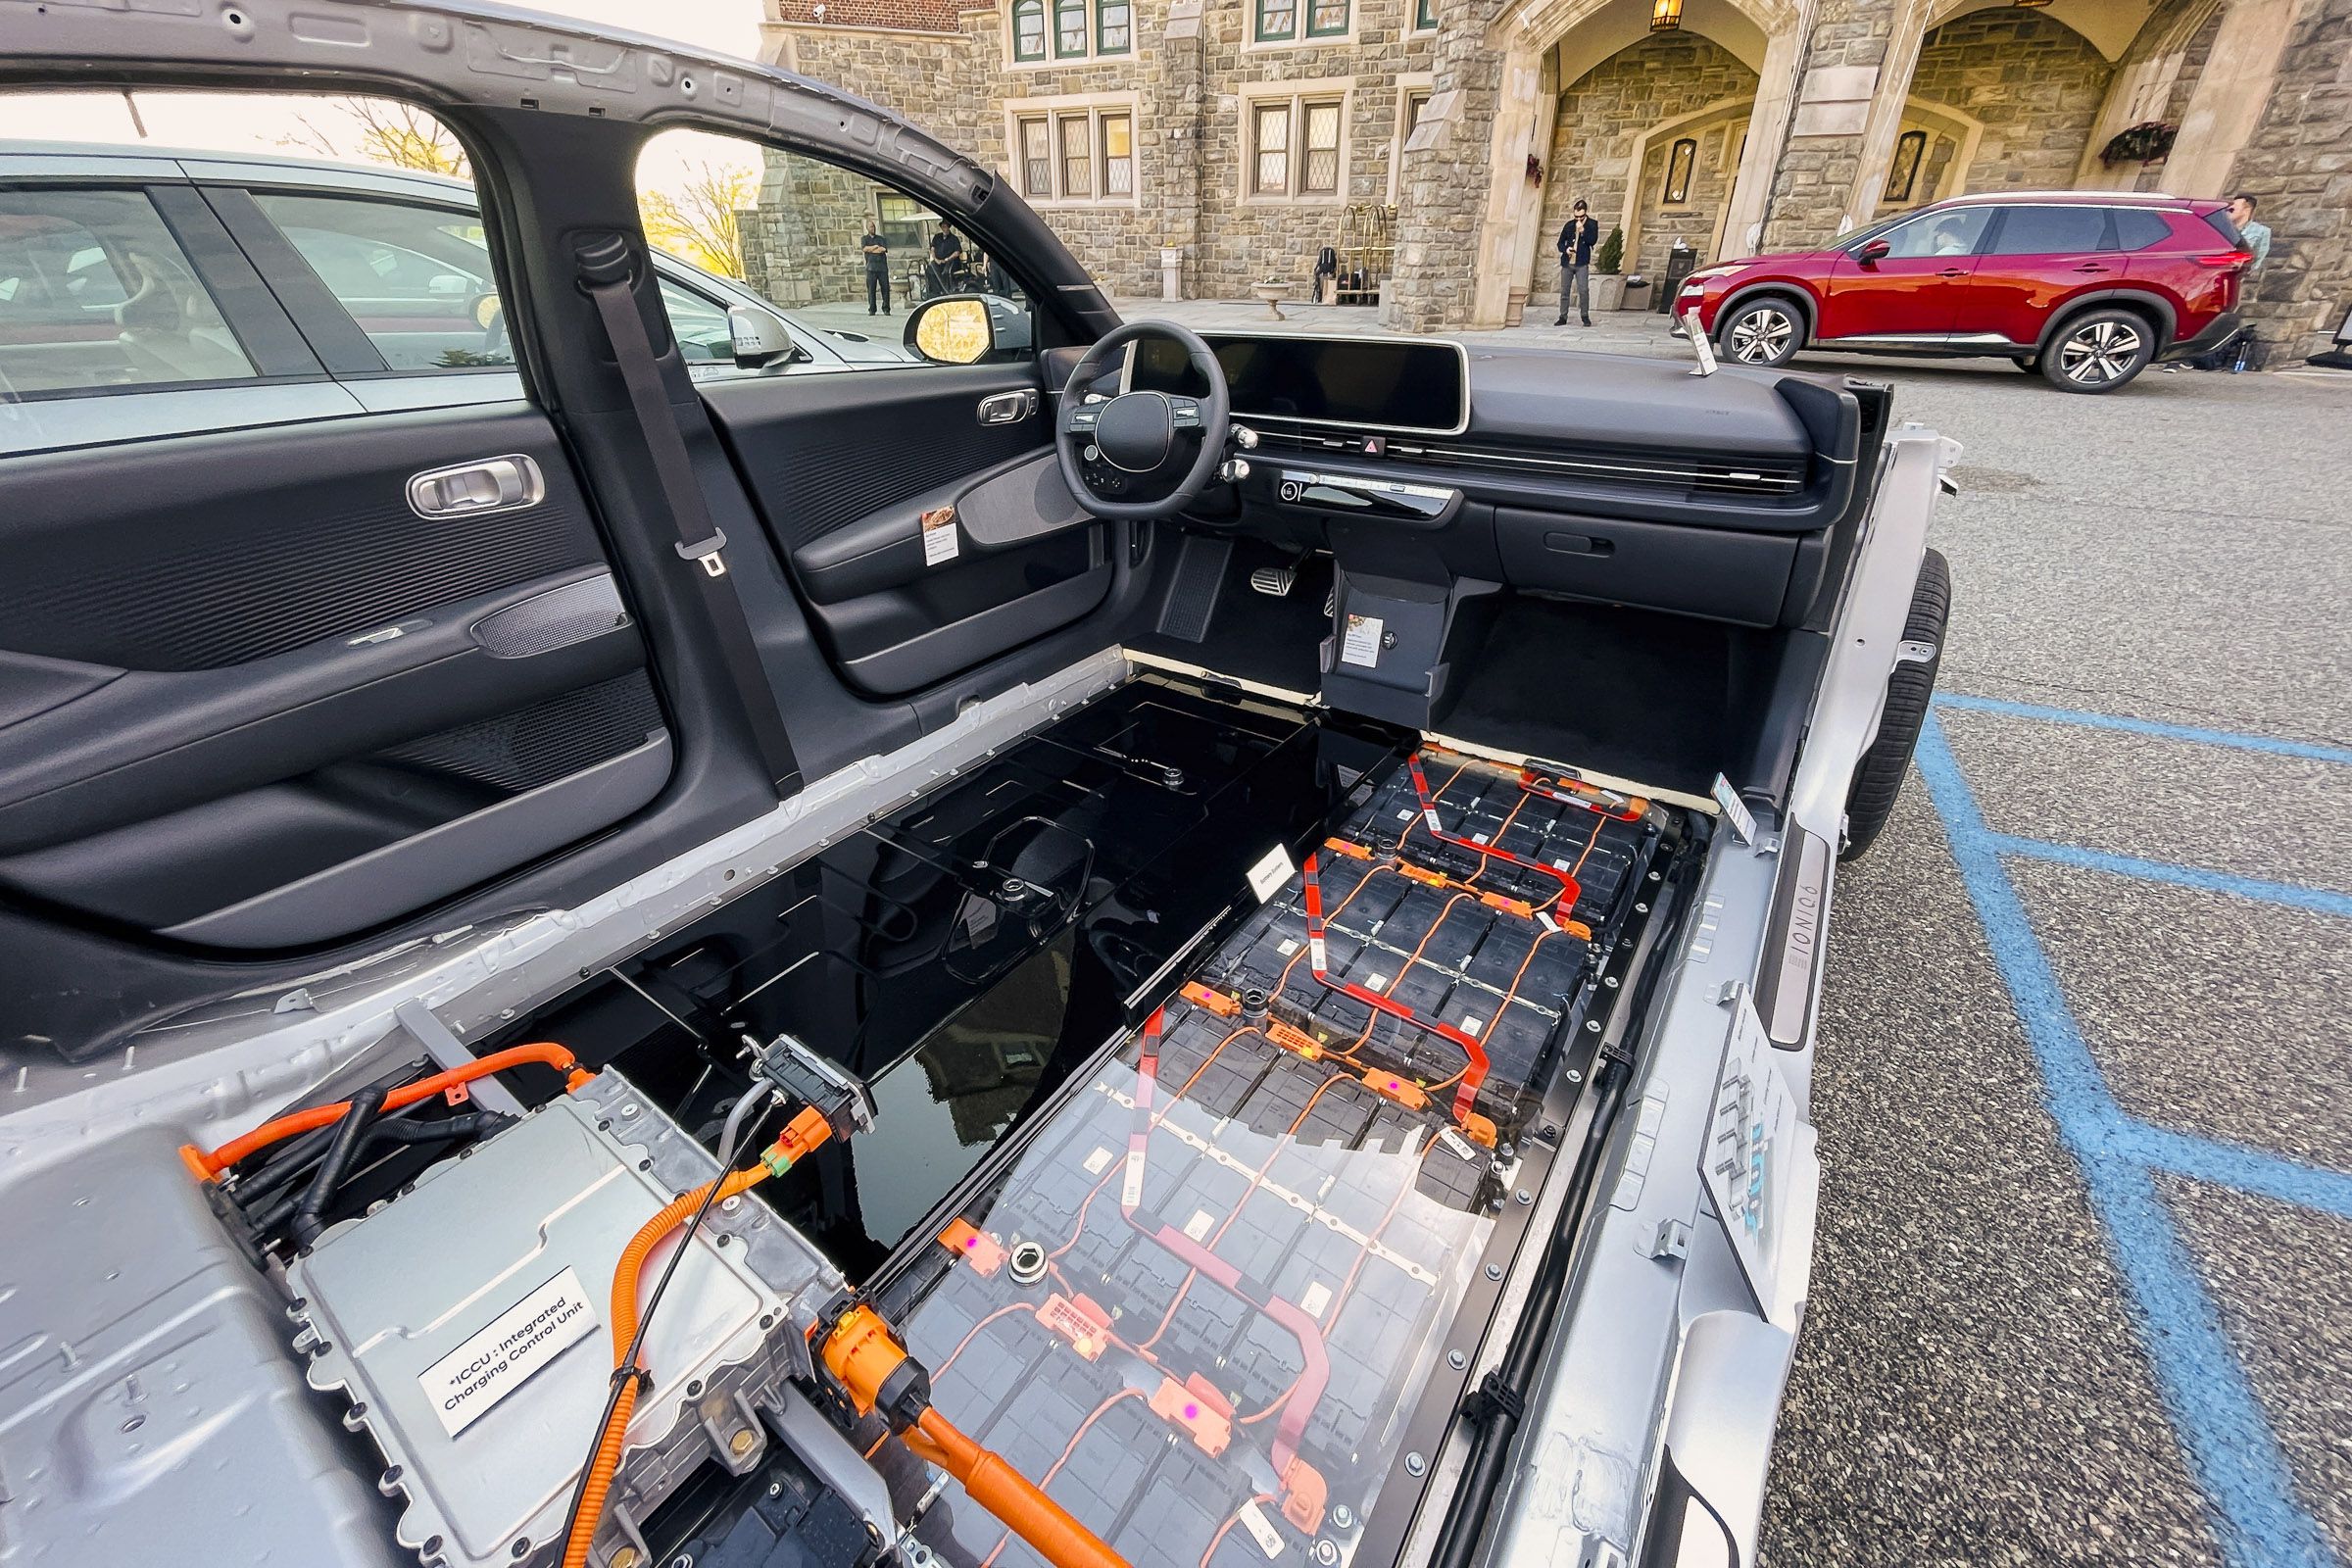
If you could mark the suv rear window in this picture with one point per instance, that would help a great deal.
(2136, 230)
(2050, 231)
(95, 293)
(2218, 217)
(417, 279)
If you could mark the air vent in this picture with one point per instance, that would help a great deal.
(1688, 474)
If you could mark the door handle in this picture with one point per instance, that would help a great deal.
(1008, 407)
(1953, 271)
(468, 489)
(2091, 267)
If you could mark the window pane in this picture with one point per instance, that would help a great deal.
(1277, 19)
(94, 293)
(1425, 14)
(1118, 156)
(1070, 26)
(1322, 175)
(2136, 231)
(1029, 30)
(1951, 233)
(1037, 157)
(700, 325)
(1903, 174)
(2051, 230)
(416, 278)
(1273, 142)
(1076, 160)
(1114, 23)
(1326, 18)
(1416, 104)
(1678, 163)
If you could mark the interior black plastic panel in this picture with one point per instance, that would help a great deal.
(1712, 572)
(843, 470)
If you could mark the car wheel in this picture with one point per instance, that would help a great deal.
(1767, 332)
(2099, 352)
(1878, 775)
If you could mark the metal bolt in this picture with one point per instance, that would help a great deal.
(521, 1546)
(775, 1489)
(1576, 1075)
(1526, 1197)
(728, 1205)
(1493, 1271)
(1456, 1360)
(740, 1442)
(693, 1390)
(1653, 876)
(631, 1109)
(1593, 1026)
(625, 1557)
(1641, 909)
(1342, 1516)
(1415, 1465)
(1609, 980)
(1327, 1551)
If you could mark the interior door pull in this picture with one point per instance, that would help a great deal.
(493, 484)
(1008, 407)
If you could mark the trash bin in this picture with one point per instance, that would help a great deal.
(1637, 292)
(1681, 261)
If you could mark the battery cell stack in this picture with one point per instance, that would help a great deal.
(1202, 1303)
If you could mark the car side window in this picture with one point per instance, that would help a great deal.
(1954, 232)
(841, 258)
(417, 278)
(95, 294)
(2040, 230)
(700, 325)
(2137, 230)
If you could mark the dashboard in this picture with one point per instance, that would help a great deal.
(1391, 385)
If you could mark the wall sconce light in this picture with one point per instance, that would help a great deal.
(1667, 15)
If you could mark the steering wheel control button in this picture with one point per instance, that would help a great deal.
(1184, 414)
(1288, 490)
(1093, 454)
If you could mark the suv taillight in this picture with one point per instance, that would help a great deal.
(2225, 259)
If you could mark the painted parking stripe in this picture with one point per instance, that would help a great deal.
(2271, 745)
(2223, 1430)
(2235, 1166)
(2318, 899)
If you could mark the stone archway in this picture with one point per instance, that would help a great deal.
(1521, 91)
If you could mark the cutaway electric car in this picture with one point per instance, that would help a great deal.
(1108, 945)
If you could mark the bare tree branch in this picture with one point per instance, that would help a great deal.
(701, 219)
(382, 130)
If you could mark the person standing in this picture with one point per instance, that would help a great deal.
(2257, 236)
(947, 261)
(877, 251)
(1578, 236)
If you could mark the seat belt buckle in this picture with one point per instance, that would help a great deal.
(707, 551)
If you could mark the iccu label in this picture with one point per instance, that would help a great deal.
(465, 1382)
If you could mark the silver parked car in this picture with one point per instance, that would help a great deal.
(1095, 945)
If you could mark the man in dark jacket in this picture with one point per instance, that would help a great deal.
(1578, 236)
(877, 251)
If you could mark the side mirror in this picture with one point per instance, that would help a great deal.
(759, 338)
(1872, 254)
(953, 329)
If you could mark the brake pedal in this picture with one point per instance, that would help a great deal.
(1275, 582)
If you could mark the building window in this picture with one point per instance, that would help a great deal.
(1277, 19)
(1425, 15)
(1326, 18)
(1028, 30)
(1295, 147)
(1077, 156)
(1678, 163)
(1115, 26)
(1903, 174)
(1270, 134)
(1118, 155)
(1071, 150)
(1412, 102)
(1037, 157)
(1070, 27)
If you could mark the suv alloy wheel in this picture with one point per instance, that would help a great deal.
(1766, 332)
(2099, 352)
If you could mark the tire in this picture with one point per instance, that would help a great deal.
(1878, 775)
(1765, 331)
(2098, 351)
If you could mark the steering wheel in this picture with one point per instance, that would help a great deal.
(1138, 437)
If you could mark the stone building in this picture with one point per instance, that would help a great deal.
(1434, 145)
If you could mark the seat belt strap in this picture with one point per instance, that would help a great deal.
(603, 266)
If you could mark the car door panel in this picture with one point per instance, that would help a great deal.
(1910, 296)
(265, 721)
(845, 467)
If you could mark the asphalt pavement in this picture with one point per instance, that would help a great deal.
(2084, 1285)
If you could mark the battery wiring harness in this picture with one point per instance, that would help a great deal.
(1535, 900)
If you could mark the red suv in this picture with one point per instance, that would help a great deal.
(2087, 287)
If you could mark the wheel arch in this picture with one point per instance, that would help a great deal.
(2159, 312)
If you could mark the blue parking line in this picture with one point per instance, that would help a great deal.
(2235, 1166)
(2227, 1440)
(2320, 899)
(2271, 745)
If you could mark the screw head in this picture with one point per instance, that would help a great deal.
(625, 1557)
(1493, 1271)
(1415, 1465)
(521, 1546)
(1342, 1516)
(1456, 1360)
(740, 1442)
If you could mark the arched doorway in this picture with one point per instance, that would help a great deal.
(1544, 48)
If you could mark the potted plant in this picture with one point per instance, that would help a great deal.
(1609, 269)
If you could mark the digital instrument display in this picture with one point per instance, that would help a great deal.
(1359, 383)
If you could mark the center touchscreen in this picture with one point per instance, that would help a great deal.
(1361, 383)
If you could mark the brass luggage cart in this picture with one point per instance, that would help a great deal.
(1367, 252)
